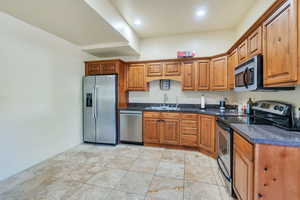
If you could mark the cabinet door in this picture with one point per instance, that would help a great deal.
(172, 69)
(243, 52)
(243, 169)
(218, 73)
(93, 69)
(232, 64)
(151, 130)
(188, 79)
(154, 69)
(202, 69)
(170, 132)
(280, 46)
(207, 139)
(255, 43)
(108, 68)
(136, 77)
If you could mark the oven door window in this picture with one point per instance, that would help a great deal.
(224, 147)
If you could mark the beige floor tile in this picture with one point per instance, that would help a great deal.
(135, 182)
(127, 151)
(124, 163)
(107, 178)
(54, 190)
(151, 153)
(165, 188)
(170, 169)
(144, 166)
(13, 181)
(224, 194)
(90, 192)
(119, 195)
(173, 156)
(201, 191)
(197, 159)
(201, 174)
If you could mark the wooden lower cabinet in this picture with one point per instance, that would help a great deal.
(243, 168)
(207, 135)
(170, 131)
(151, 130)
(186, 130)
(267, 172)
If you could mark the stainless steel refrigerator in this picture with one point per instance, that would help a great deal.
(100, 109)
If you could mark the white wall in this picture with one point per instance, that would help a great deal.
(253, 14)
(156, 95)
(205, 44)
(40, 95)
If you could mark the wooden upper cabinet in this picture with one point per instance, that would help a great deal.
(92, 69)
(207, 138)
(232, 61)
(280, 46)
(172, 69)
(151, 130)
(218, 73)
(202, 71)
(255, 43)
(154, 69)
(188, 76)
(136, 77)
(243, 168)
(170, 133)
(108, 68)
(243, 51)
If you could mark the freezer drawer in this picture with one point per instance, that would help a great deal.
(131, 126)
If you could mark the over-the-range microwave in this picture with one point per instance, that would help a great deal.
(249, 76)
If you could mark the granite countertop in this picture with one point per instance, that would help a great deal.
(185, 108)
(267, 134)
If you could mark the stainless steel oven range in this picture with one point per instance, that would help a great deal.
(225, 152)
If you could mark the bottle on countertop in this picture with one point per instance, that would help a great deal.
(249, 106)
(202, 102)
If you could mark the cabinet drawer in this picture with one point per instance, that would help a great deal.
(189, 116)
(189, 124)
(152, 114)
(243, 146)
(189, 131)
(189, 140)
(170, 115)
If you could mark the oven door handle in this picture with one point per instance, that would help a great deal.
(221, 169)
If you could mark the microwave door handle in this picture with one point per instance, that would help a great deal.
(244, 77)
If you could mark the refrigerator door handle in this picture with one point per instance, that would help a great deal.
(95, 104)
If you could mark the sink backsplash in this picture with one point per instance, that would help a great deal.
(155, 95)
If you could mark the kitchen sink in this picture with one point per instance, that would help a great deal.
(162, 108)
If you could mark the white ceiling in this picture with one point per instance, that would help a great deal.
(167, 17)
(72, 20)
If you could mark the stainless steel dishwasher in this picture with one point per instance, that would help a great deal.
(131, 126)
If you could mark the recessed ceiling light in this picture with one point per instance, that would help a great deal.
(200, 13)
(137, 22)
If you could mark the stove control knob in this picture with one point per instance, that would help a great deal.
(276, 108)
(281, 108)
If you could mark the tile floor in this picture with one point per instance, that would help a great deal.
(124, 172)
